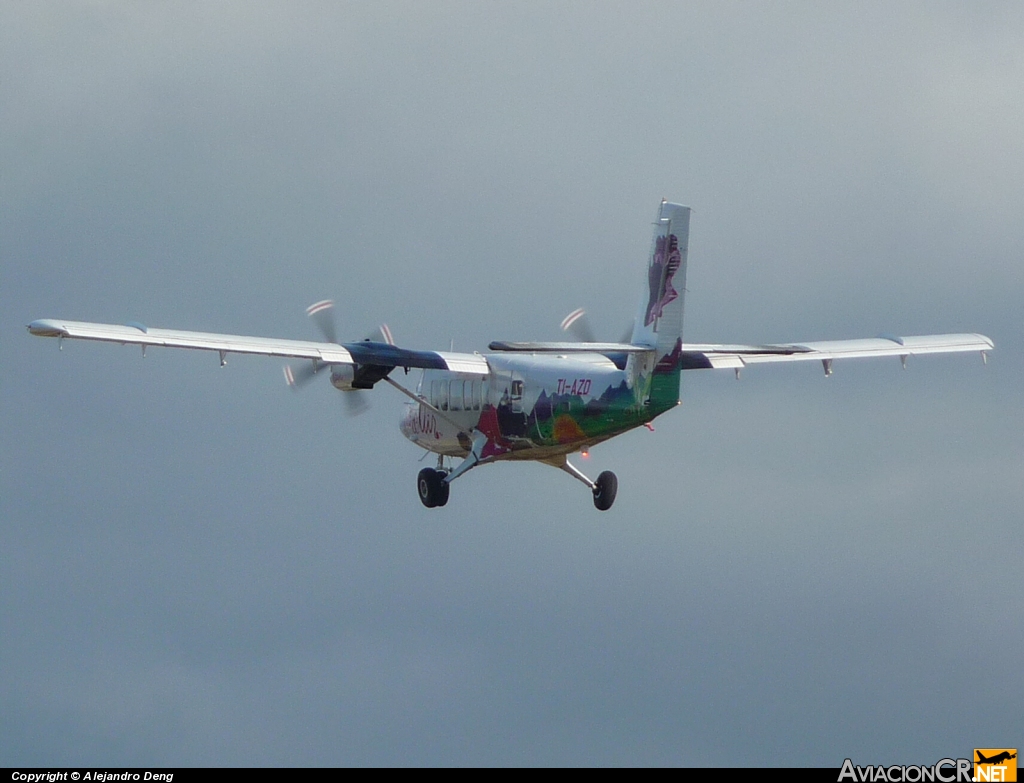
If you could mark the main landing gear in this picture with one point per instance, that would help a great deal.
(434, 484)
(432, 487)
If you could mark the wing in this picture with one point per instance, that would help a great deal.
(358, 353)
(697, 356)
(706, 356)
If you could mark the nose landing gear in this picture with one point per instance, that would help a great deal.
(605, 488)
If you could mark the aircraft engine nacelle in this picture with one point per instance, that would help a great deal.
(342, 376)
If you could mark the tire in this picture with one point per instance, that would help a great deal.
(443, 488)
(426, 484)
(605, 491)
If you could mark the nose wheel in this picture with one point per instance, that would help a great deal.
(432, 488)
(605, 488)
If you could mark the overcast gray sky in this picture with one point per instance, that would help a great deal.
(200, 567)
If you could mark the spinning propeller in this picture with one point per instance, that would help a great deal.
(577, 324)
(322, 314)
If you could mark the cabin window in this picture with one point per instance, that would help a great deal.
(435, 393)
(516, 396)
(475, 394)
(456, 395)
(444, 396)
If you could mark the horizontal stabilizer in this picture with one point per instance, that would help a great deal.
(499, 345)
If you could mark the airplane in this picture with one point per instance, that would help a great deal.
(538, 401)
(996, 759)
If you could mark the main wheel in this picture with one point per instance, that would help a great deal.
(604, 492)
(427, 487)
(443, 488)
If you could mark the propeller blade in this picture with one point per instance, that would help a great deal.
(578, 326)
(382, 334)
(355, 402)
(322, 314)
(297, 377)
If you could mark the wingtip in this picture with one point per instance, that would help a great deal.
(44, 327)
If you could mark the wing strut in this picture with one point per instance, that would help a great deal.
(477, 437)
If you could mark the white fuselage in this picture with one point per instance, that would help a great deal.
(510, 391)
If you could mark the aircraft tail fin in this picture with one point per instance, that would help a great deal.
(659, 318)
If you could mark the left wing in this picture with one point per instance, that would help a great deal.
(707, 356)
(697, 356)
(358, 353)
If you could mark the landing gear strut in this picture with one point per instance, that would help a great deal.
(604, 489)
(432, 488)
(434, 484)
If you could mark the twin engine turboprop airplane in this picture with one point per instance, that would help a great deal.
(530, 401)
